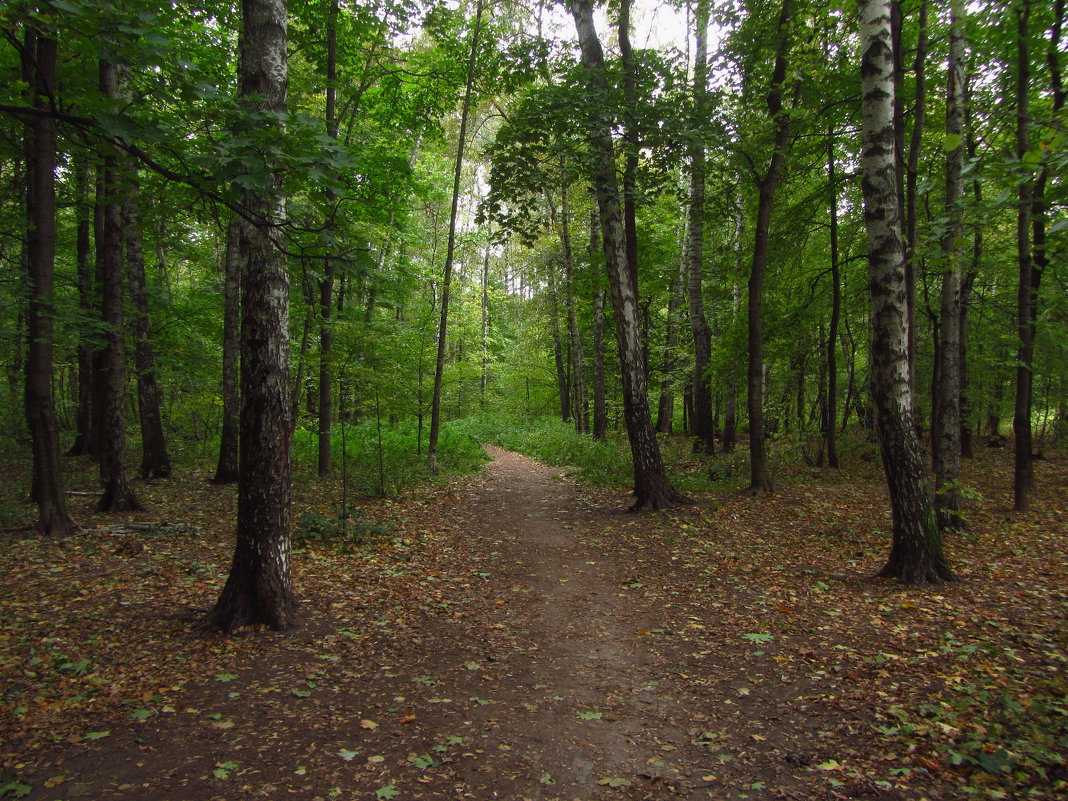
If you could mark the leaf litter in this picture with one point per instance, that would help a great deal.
(736, 649)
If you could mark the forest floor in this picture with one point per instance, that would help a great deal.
(517, 635)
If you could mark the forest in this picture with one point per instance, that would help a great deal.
(277, 275)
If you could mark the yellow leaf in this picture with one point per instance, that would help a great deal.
(368, 724)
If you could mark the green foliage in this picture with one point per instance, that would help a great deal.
(396, 449)
(345, 530)
(554, 442)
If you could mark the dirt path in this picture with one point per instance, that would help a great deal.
(519, 636)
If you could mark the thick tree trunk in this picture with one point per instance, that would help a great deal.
(652, 489)
(47, 481)
(1023, 474)
(155, 461)
(118, 492)
(259, 589)
(916, 553)
(83, 255)
(759, 473)
(631, 141)
(946, 433)
(226, 471)
(912, 170)
(701, 427)
(439, 365)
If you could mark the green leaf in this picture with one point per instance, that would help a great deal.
(545, 778)
(424, 761)
(951, 142)
(590, 715)
(615, 782)
(225, 676)
(141, 714)
(347, 754)
(301, 693)
(15, 789)
(97, 735)
(757, 637)
(387, 792)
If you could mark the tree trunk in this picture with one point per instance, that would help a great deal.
(665, 411)
(916, 553)
(326, 285)
(118, 493)
(259, 589)
(759, 474)
(946, 434)
(830, 433)
(652, 489)
(1023, 474)
(155, 461)
(562, 384)
(912, 170)
(631, 141)
(484, 377)
(439, 365)
(600, 404)
(47, 481)
(701, 423)
(580, 404)
(84, 416)
(227, 470)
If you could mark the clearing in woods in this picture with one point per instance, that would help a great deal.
(516, 635)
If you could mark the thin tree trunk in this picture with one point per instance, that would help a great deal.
(830, 418)
(946, 434)
(916, 553)
(652, 489)
(83, 249)
(1023, 474)
(47, 481)
(562, 385)
(326, 285)
(665, 411)
(439, 365)
(155, 461)
(226, 471)
(118, 492)
(631, 141)
(701, 423)
(759, 473)
(259, 589)
(484, 378)
(578, 358)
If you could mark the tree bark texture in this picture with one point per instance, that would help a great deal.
(111, 379)
(47, 480)
(259, 589)
(946, 434)
(652, 490)
(226, 471)
(912, 170)
(916, 552)
(155, 461)
(665, 408)
(759, 472)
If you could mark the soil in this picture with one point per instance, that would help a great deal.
(517, 635)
